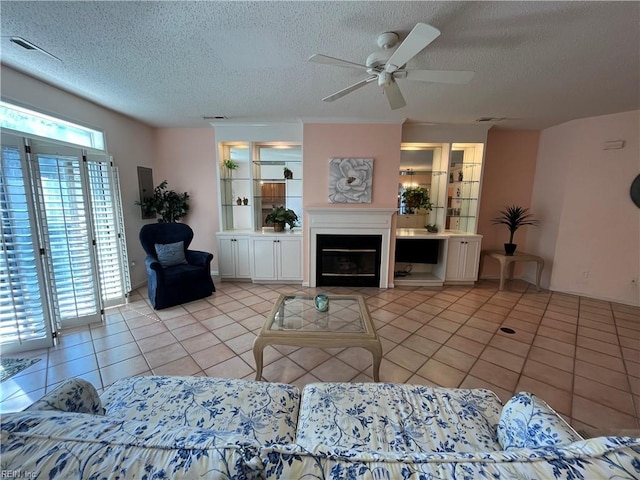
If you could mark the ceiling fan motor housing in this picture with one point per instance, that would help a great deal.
(377, 60)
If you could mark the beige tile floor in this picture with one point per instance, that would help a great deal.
(580, 355)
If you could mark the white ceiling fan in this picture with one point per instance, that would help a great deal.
(387, 66)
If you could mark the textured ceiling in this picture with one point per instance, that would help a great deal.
(537, 64)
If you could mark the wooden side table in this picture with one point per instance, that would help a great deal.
(508, 262)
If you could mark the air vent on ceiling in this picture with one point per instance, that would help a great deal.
(27, 45)
(490, 119)
(214, 117)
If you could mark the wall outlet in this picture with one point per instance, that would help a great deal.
(585, 274)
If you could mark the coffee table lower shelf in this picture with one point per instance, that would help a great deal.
(318, 341)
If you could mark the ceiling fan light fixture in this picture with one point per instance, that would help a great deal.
(384, 79)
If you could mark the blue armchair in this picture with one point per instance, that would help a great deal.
(176, 274)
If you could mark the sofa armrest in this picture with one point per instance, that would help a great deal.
(529, 422)
(196, 257)
(74, 395)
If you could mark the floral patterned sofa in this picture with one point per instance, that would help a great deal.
(199, 427)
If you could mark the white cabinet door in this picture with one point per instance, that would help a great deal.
(264, 258)
(469, 269)
(463, 257)
(290, 258)
(233, 257)
(454, 258)
(277, 258)
(226, 257)
(243, 258)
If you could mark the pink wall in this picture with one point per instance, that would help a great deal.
(185, 157)
(324, 141)
(378, 141)
(509, 169)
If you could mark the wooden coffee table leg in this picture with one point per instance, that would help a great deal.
(376, 351)
(258, 350)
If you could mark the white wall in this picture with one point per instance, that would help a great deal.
(588, 222)
(131, 144)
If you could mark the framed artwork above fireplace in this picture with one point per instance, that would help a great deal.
(350, 180)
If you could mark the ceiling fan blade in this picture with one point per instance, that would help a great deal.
(394, 96)
(350, 89)
(458, 77)
(326, 60)
(421, 36)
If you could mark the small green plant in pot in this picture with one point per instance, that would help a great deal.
(416, 198)
(280, 216)
(288, 174)
(230, 164)
(514, 217)
(169, 205)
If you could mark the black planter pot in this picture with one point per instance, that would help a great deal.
(510, 248)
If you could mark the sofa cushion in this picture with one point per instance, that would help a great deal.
(170, 254)
(528, 422)
(264, 412)
(73, 395)
(75, 445)
(603, 457)
(381, 417)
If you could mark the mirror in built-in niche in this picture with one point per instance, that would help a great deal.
(416, 166)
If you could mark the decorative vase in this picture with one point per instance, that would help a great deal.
(288, 174)
(321, 302)
(245, 201)
(278, 227)
(238, 201)
(509, 248)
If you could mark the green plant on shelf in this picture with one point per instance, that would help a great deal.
(279, 216)
(230, 164)
(416, 198)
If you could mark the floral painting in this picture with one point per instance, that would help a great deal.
(350, 180)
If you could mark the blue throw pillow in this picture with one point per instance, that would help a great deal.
(170, 254)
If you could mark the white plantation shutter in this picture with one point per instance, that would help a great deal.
(106, 209)
(64, 216)
(24, 319)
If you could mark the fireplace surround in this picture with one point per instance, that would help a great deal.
(352, 222)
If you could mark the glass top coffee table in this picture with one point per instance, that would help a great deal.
(295, 321)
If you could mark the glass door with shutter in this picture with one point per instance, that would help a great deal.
(63, 249)
(24, 319)
(108, 230)
(66, 231)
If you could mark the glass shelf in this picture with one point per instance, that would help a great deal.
(281, 163)
(279, 179)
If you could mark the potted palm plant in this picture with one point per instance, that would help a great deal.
(514, 217)
(280, 216)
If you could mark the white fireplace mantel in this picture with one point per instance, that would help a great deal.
(350, 221)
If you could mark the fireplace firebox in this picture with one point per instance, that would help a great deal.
(348, 260)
